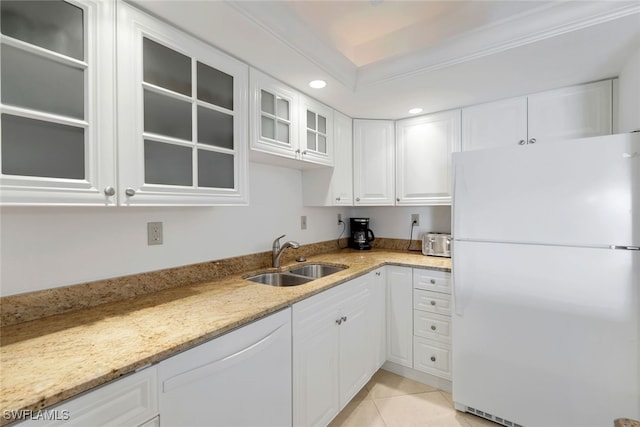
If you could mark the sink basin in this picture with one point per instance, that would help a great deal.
(316, 270)
(279, 279)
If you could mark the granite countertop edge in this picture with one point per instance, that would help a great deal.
(48, 360)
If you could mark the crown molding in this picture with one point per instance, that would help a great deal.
(542, 23)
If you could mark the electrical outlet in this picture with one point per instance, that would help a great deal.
(339, 218)
(154, 233)
(415, 219)
(303, 222)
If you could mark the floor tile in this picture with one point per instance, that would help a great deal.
(361, 413)
(386, 384)
(423, 409)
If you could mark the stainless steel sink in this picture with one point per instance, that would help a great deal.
(279, 279)
(316, 271)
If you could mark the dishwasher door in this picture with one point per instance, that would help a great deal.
(242, 378)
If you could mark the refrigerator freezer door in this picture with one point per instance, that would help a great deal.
(583, 192)
(547, 336)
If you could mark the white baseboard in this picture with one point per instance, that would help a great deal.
(421, 377)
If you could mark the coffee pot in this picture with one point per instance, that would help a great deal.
(361, 234)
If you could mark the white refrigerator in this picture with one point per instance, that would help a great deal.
(546, 271)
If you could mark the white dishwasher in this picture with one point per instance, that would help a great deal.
(242, 378)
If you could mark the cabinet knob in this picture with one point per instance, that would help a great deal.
(433, 327)
(298, 150)
(433, 358)
(433, 303)
(532, 141)
(398, 199)
(357, 199)
(377, 273)
(337, 199)
(339, 321)
(522, 142)
(433, 281)
(130, 192)
(344, 318)
(109, 191)
(304, 152)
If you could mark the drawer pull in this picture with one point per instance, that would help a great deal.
(433, 327)
(344, 318)
(433, 302)
(339, 321)
(433, 281)
(433, 358)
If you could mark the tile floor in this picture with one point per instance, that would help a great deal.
(389, 400)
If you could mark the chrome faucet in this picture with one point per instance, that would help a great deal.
(277, 250)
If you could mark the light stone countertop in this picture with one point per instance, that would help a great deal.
(45, 361)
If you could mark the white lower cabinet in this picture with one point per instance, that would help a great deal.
(242, 378)
(432, 322)
(400, 315)
(333, 349)
(128, 401)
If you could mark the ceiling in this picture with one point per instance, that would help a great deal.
(382, 57)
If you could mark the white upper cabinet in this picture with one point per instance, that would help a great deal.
(182, 117)
(333, 186)
(373, 163)
(573, 112)
(274, 116)
(57, 111)
(423, 158)
(287, 125)
(316, 132)
(495, 124)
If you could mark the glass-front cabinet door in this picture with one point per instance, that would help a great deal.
(274, 109)
(182, 117)
(316, 132)
(56, 114)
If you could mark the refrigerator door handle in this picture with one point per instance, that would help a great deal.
(457, 306)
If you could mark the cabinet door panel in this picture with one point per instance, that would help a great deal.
(193, 98)
(373, 163)
(316, 362)
(357, 350)
(316, 132)
(129, 401)
(400, 315)
(423, 151)
(573, 112)
(494, 124)
(57, 103)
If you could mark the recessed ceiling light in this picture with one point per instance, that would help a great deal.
(317, 84)
(415, 111)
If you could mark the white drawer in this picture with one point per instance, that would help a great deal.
(434, 302)
(432, 357)
(432, 280)
(433, 326)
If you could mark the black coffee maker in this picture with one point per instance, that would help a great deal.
(361, 234)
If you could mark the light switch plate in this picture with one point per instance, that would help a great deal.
(154, 233)
(415, 219)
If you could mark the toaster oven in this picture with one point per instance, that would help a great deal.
(436, 244)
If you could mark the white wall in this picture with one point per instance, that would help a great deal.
(45, 247)
(395, 222)
(629, 95)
